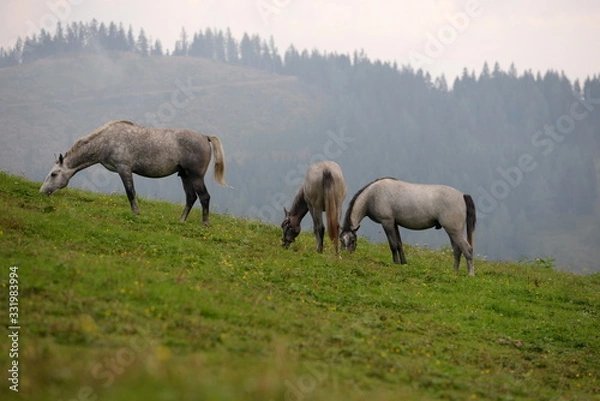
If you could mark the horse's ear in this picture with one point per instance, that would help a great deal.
(60, 159)
(285, 211)
(355, 229)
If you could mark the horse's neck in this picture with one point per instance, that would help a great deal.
(83, 154)
(358, 211)
(299, 206)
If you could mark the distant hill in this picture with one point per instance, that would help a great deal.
(373, 118)
(49, 104)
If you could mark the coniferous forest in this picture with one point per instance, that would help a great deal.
(525, 144)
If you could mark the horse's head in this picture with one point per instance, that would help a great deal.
(57, 178)
(348, 238)
(290, 229)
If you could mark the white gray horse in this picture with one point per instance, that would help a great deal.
(127, 148)
(323, 190)
(394, 203)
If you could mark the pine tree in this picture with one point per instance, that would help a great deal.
(485, 72)
(59, 40)
(31, 50)
(441, 84)
(277, 64)
(142, 43)
(182, 45)
(266, 62)
(247, 55)
(131, 46)
(121, 41)
(157, 50)
(577, 89)
(46, 46)
(497, 73)
(103, 40)
(291, 61)
(3, 58)
(82, 36)
(232, 52)
(113, 37)
(72, 38)
(15, 56)
(219, 46)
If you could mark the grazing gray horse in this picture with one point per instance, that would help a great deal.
(128, 148)
(394, 203)
(323, 189)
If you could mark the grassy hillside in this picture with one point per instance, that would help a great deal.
(114, 306)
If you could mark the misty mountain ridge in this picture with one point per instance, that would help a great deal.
(525, 146)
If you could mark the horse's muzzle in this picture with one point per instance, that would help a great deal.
(349, 249)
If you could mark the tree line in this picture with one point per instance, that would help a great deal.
(79, 37)
(329, 70)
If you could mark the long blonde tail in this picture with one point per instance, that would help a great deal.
(219, 160)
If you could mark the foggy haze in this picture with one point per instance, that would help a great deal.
(488, 129)
(441, 36)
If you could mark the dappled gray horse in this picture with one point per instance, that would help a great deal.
(394, 203)
(128, 148)
(323, 190)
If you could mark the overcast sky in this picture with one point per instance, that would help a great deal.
(441, 36)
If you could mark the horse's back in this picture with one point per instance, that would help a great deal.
(315, 170)
(417, 206)
(423, 193)
(157, 152)
(313, 183)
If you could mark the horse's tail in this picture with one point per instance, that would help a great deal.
(471, 218)
(219, 160)
(331, 206)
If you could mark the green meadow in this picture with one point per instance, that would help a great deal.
(114, 306)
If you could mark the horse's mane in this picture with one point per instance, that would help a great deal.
(86, 139)
(347, 221)
(299, 204)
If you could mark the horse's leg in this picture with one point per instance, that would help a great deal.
(391, 229)
(127, 178)
(337, 233)
(318, 227)
(468, 252)
(190, 196)
(200, 188)
(461, 243)
(457, 253)
(400, 247)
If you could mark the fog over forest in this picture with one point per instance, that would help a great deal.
(525, 144)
